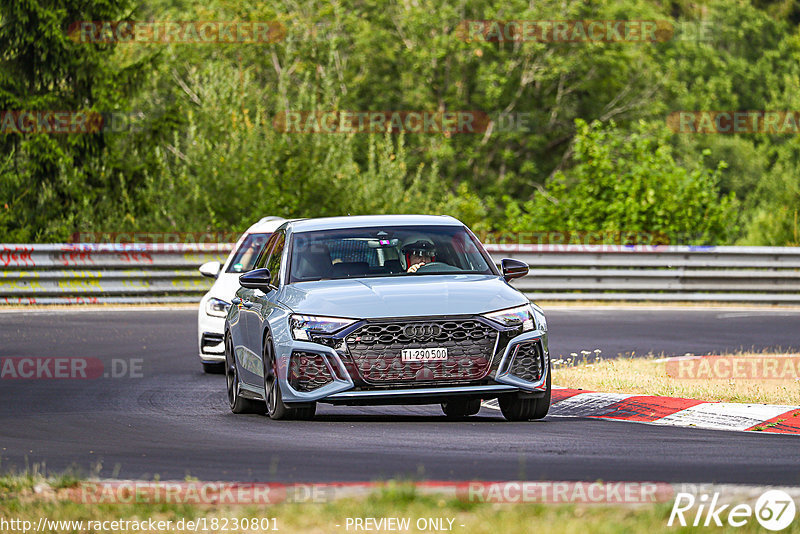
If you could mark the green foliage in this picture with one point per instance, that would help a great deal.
(206, 155)
(775, 218)
(50, 183)
(630, 182)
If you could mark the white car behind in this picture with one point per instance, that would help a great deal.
(214, 304)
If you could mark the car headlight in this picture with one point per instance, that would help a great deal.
(540, 318)
(217, 307)
(304, 326)
(528, 316)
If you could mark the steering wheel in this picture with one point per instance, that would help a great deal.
(437, 266)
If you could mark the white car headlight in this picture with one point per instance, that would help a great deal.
(217, 307)
(303, 326)
(528, 316)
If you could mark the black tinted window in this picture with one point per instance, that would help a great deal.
(261, 262)
(385, 251)
(245, 257)
(274, 261)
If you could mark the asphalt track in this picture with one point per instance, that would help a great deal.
(173, 421)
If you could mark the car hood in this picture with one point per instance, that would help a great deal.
(368, 298)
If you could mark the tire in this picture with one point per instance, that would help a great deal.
(458, 408)
(214, 368)
(515, 408)
(276, 409)
(237, 403)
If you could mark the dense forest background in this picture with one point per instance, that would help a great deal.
(597, 154)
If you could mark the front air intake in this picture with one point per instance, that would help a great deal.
(308, 371)
(526, 362)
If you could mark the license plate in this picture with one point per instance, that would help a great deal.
(424, 355)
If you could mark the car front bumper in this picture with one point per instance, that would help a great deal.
(339, 387)
(210, 345)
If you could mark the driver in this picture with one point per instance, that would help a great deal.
(418, 254)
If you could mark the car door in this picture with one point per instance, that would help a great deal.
(264, 303)
(250, 352)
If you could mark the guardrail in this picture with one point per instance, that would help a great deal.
(657, 273)
(142, 273)
(105, 273)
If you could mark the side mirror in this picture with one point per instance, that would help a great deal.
(210, 269)
(513, 268)
(257, 279)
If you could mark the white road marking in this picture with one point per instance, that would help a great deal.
(724, 415)
(586, 404)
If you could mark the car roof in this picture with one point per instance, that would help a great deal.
(265, 225)
(366, 221)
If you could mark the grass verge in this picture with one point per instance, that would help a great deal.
(29, 499)
(650, 376)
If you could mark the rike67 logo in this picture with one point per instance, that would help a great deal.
(774, 510)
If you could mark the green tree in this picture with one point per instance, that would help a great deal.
(629, 181)
(51, 183)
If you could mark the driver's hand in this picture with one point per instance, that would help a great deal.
(414, 267)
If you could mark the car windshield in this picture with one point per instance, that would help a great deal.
(385, 251)
(246, 254)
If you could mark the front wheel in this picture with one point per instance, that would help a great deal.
(237, 403)
(276, 408)
(515, 408)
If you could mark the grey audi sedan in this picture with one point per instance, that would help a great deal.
(389, 309)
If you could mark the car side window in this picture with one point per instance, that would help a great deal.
(261, 262)
(274, 261)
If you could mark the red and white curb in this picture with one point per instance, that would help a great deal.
(671, 411)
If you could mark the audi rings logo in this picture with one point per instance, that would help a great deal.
(422, 332)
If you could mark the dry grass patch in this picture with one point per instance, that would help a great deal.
(650, 376)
